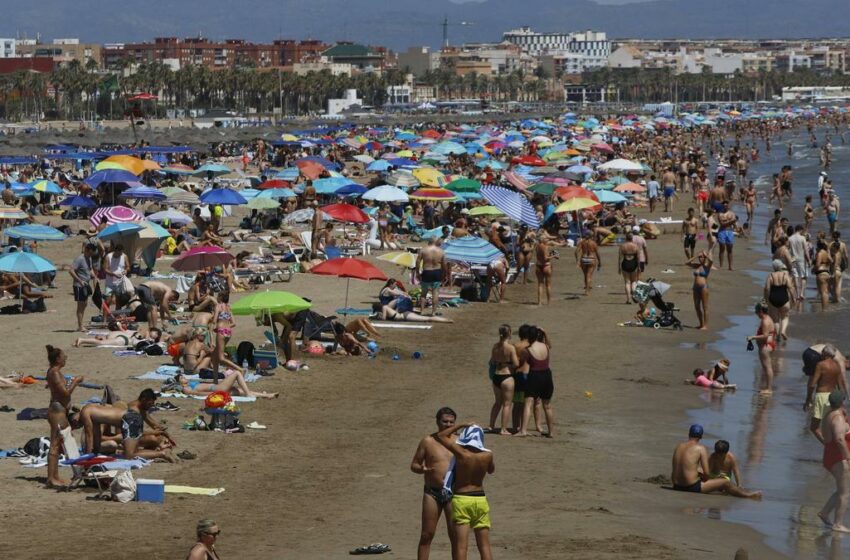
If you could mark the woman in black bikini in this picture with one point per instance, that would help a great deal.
(503, 359)
(702, 268)
(822, 270)
(204, 549)
(587, 259)
(629, 265)
(779, 292)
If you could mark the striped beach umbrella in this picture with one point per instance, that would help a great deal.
(115, 215)
(48, 187)
(515, 205)
(403, 179)
(176, 195)
(470, 249)
(12, 213)
(37, 232)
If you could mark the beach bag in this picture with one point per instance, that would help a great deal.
(245, 352)
(123, 487)
(37, 447)
(124, 287)
(149, 348)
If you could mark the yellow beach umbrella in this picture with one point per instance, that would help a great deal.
(429, 177)
(575, 204)
(103, 165)
(401, 258)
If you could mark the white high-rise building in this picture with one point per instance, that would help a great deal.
(594, 46)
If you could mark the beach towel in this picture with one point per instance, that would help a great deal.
(125, 353)
(177, 489)
(32, 414)
(237, 398)
(162, 374)
(85, 384)
(401, 325)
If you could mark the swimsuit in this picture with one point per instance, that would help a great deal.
(498, 379)
(132, 425)
(770, 342)
(431, 279)
(832, 453)
(441, 495)
(778, 295)
(696, 487)
(471, 508)
(690, 240)
(539, 384)
(629, 264)
(224, 331)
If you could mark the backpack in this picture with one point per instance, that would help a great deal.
(37, 447)
(245, 352)
(149, 348)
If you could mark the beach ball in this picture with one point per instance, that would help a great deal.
(372, 346)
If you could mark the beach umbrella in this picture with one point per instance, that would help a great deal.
(464, 185)
(21, 263)
(288, 174)
(429, 177)
(515, 180)
(363, 158)
(576, 204)
(269, 302)
(178, 169)
(175, 217)
(345, 213)
(37, 232)
(379, 165)
(603, 147)
(132, 164)
(263, 204)
(437, 195)
(224, 197)
(579, 170)
(143, 192)
(277, 193)
(485, 211)
(470, 249)
(352, 189)
(214, 169)
(544, 188)
(273, 184)
(621, 165)
(12, 213)
(629, 187)
(446, 148)
(515, 205)
(531, 161)
(401, 258)
(118, 230)
(301, 216)
(574, 191)
(349, 268)
(402, 179)
(115, 214)
(493, 164)
(78, 201)
(180, 196)
(610, 197)
(386, 193)
(111, 176)
(310, 169)
(329, 185)
(48, 187)
(199, 258)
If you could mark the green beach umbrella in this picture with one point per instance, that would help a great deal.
(486, 211)
(464, 185)
(262, 203)
(270, 301)
(543, 188)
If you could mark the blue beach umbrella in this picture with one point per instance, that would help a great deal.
(119, 229)
(143, 192)
(78, 201)
(513, 204)
(214, 168)
(352, 189)
(48, 187)
(25, 263)
(277, 193)
(112, 176)
(37, 232)
(470, 249)
(225, 197)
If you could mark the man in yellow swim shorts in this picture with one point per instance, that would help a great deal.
(470, 509)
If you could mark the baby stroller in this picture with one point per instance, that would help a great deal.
(652, 290)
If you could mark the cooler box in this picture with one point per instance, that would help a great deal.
(265, 359)
(150, 490)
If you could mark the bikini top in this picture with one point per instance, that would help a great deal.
(702, 271)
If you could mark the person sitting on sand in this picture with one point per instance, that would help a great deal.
(386, 313)
(701, 380)
(690, 468)
(196, 353)
(132, 424)
(723, 464)
(233, 383)
(348, 342)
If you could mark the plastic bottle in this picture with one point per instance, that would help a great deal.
(244, 368)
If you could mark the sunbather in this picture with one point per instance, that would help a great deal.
(385, 313)
(93, 417)
(12, 381)
(233, 383)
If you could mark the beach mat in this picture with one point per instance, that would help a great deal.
(177, 489)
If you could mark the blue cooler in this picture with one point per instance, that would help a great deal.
(150, 490)
(265, 359)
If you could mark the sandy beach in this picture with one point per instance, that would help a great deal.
(332, 470)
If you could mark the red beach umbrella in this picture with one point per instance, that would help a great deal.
(349, 268)
(346, 213)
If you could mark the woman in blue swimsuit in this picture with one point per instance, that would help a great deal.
(702, 268)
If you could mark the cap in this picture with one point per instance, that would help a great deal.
(636, 229)
(823, 174)
(696, 430)
(642, 183)
(836, 398)
(473, 437)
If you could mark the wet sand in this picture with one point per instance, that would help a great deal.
(332, 470)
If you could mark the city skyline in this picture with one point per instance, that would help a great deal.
(407, 23)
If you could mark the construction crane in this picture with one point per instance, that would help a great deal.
(446, 25)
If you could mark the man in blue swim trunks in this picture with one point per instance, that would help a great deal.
(668, 181)
(690, 470)
(726, 234)
(432, 263)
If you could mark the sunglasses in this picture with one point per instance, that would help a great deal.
(217, 533)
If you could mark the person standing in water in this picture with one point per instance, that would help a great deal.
(836, 460)
(765, 339)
